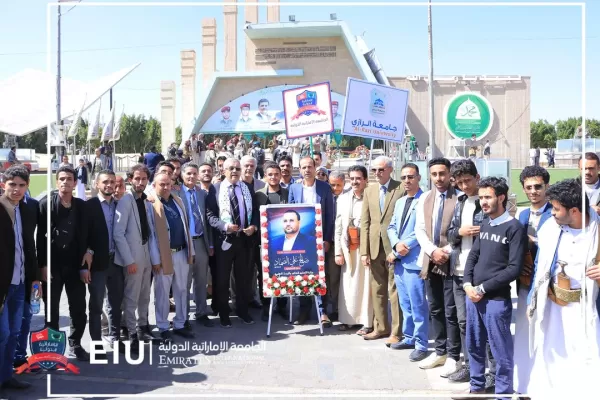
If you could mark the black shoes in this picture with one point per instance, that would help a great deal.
(247, 319)
(302, 318)
(79, 352)
(204, 320)
(166, 337)
(184, 332)
(145, 334)
(12, 383)
(461, 376)
(225, 321)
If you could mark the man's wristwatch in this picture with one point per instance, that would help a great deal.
(90, 252)
(479, 290)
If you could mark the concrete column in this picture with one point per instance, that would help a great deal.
(188, 89)
(167, 114)
(209, 49)
(230, 18)
(251, 12)
(273, 11)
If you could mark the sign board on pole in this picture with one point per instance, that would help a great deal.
(307, 111)
(293, 259)
(375, 111)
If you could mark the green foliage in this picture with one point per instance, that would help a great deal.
(543, 134)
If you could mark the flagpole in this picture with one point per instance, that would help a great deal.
(58, 94)
(431, 95)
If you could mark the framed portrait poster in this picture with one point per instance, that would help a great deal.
(293, 259)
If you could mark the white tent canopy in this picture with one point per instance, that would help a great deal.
(28, 99)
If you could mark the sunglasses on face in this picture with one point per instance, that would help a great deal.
(535, 187)
(407, 177)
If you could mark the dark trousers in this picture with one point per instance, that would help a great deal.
(97, 290)
(233, 259)
(212, 264)
(256, 271)
(489, 321)
(115, 287)
(68, 277)
(21, 353)
(461, 312)
(332, 277)
(444, 322)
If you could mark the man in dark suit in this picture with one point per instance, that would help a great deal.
(18, 268)
(22, 343)
(292, 239)
(273, 193)
(313, 191)
(104, 275)
(233, 214)
(71, 257)
(151, 161)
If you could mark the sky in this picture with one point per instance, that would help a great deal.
(541, 42)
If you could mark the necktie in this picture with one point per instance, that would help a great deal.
(438, 222)
(235, 206)
(335, 205)
(406, 208)
(382, 190)
(196, 214)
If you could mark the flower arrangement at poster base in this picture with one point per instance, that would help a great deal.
(295, 285)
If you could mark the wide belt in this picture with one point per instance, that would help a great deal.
(176, 249)
(562, 296)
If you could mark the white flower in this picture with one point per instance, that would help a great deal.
(298, 290)
(298, 278)
(321, 281)
(283, 279)
(276, 285)
(270, 280)
(290, 283)
(265, 263)
(269, 292)
(311, 290)
(304, 283)
(311, 276)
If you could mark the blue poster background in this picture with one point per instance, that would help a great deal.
(302, 258)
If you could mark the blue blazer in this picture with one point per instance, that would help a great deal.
(325, 198)
(405, 233)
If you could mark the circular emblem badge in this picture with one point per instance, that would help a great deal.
(468, 114)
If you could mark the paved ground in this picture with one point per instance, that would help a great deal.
(293, 362)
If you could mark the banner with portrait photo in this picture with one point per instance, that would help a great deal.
(293, 259)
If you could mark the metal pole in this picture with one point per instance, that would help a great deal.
(431, 97)
(58, 77)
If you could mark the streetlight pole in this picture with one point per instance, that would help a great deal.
(58, 96)
(431, 96)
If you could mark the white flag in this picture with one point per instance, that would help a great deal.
(94, 126)
(117, 132)
(107, 131)
(75, 123)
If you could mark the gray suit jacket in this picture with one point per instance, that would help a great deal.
(201, 197)
(127, 233)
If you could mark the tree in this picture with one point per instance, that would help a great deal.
(542, 134)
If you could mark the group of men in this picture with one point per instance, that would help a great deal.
(443, 260)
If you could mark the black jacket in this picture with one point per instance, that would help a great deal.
(452, 235)
(7, 249)
(84, 175)
(81, 231)
(213, 214)
(98, 234)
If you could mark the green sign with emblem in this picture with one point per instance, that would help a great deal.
(468, 114)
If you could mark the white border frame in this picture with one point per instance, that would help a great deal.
(49, 9)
